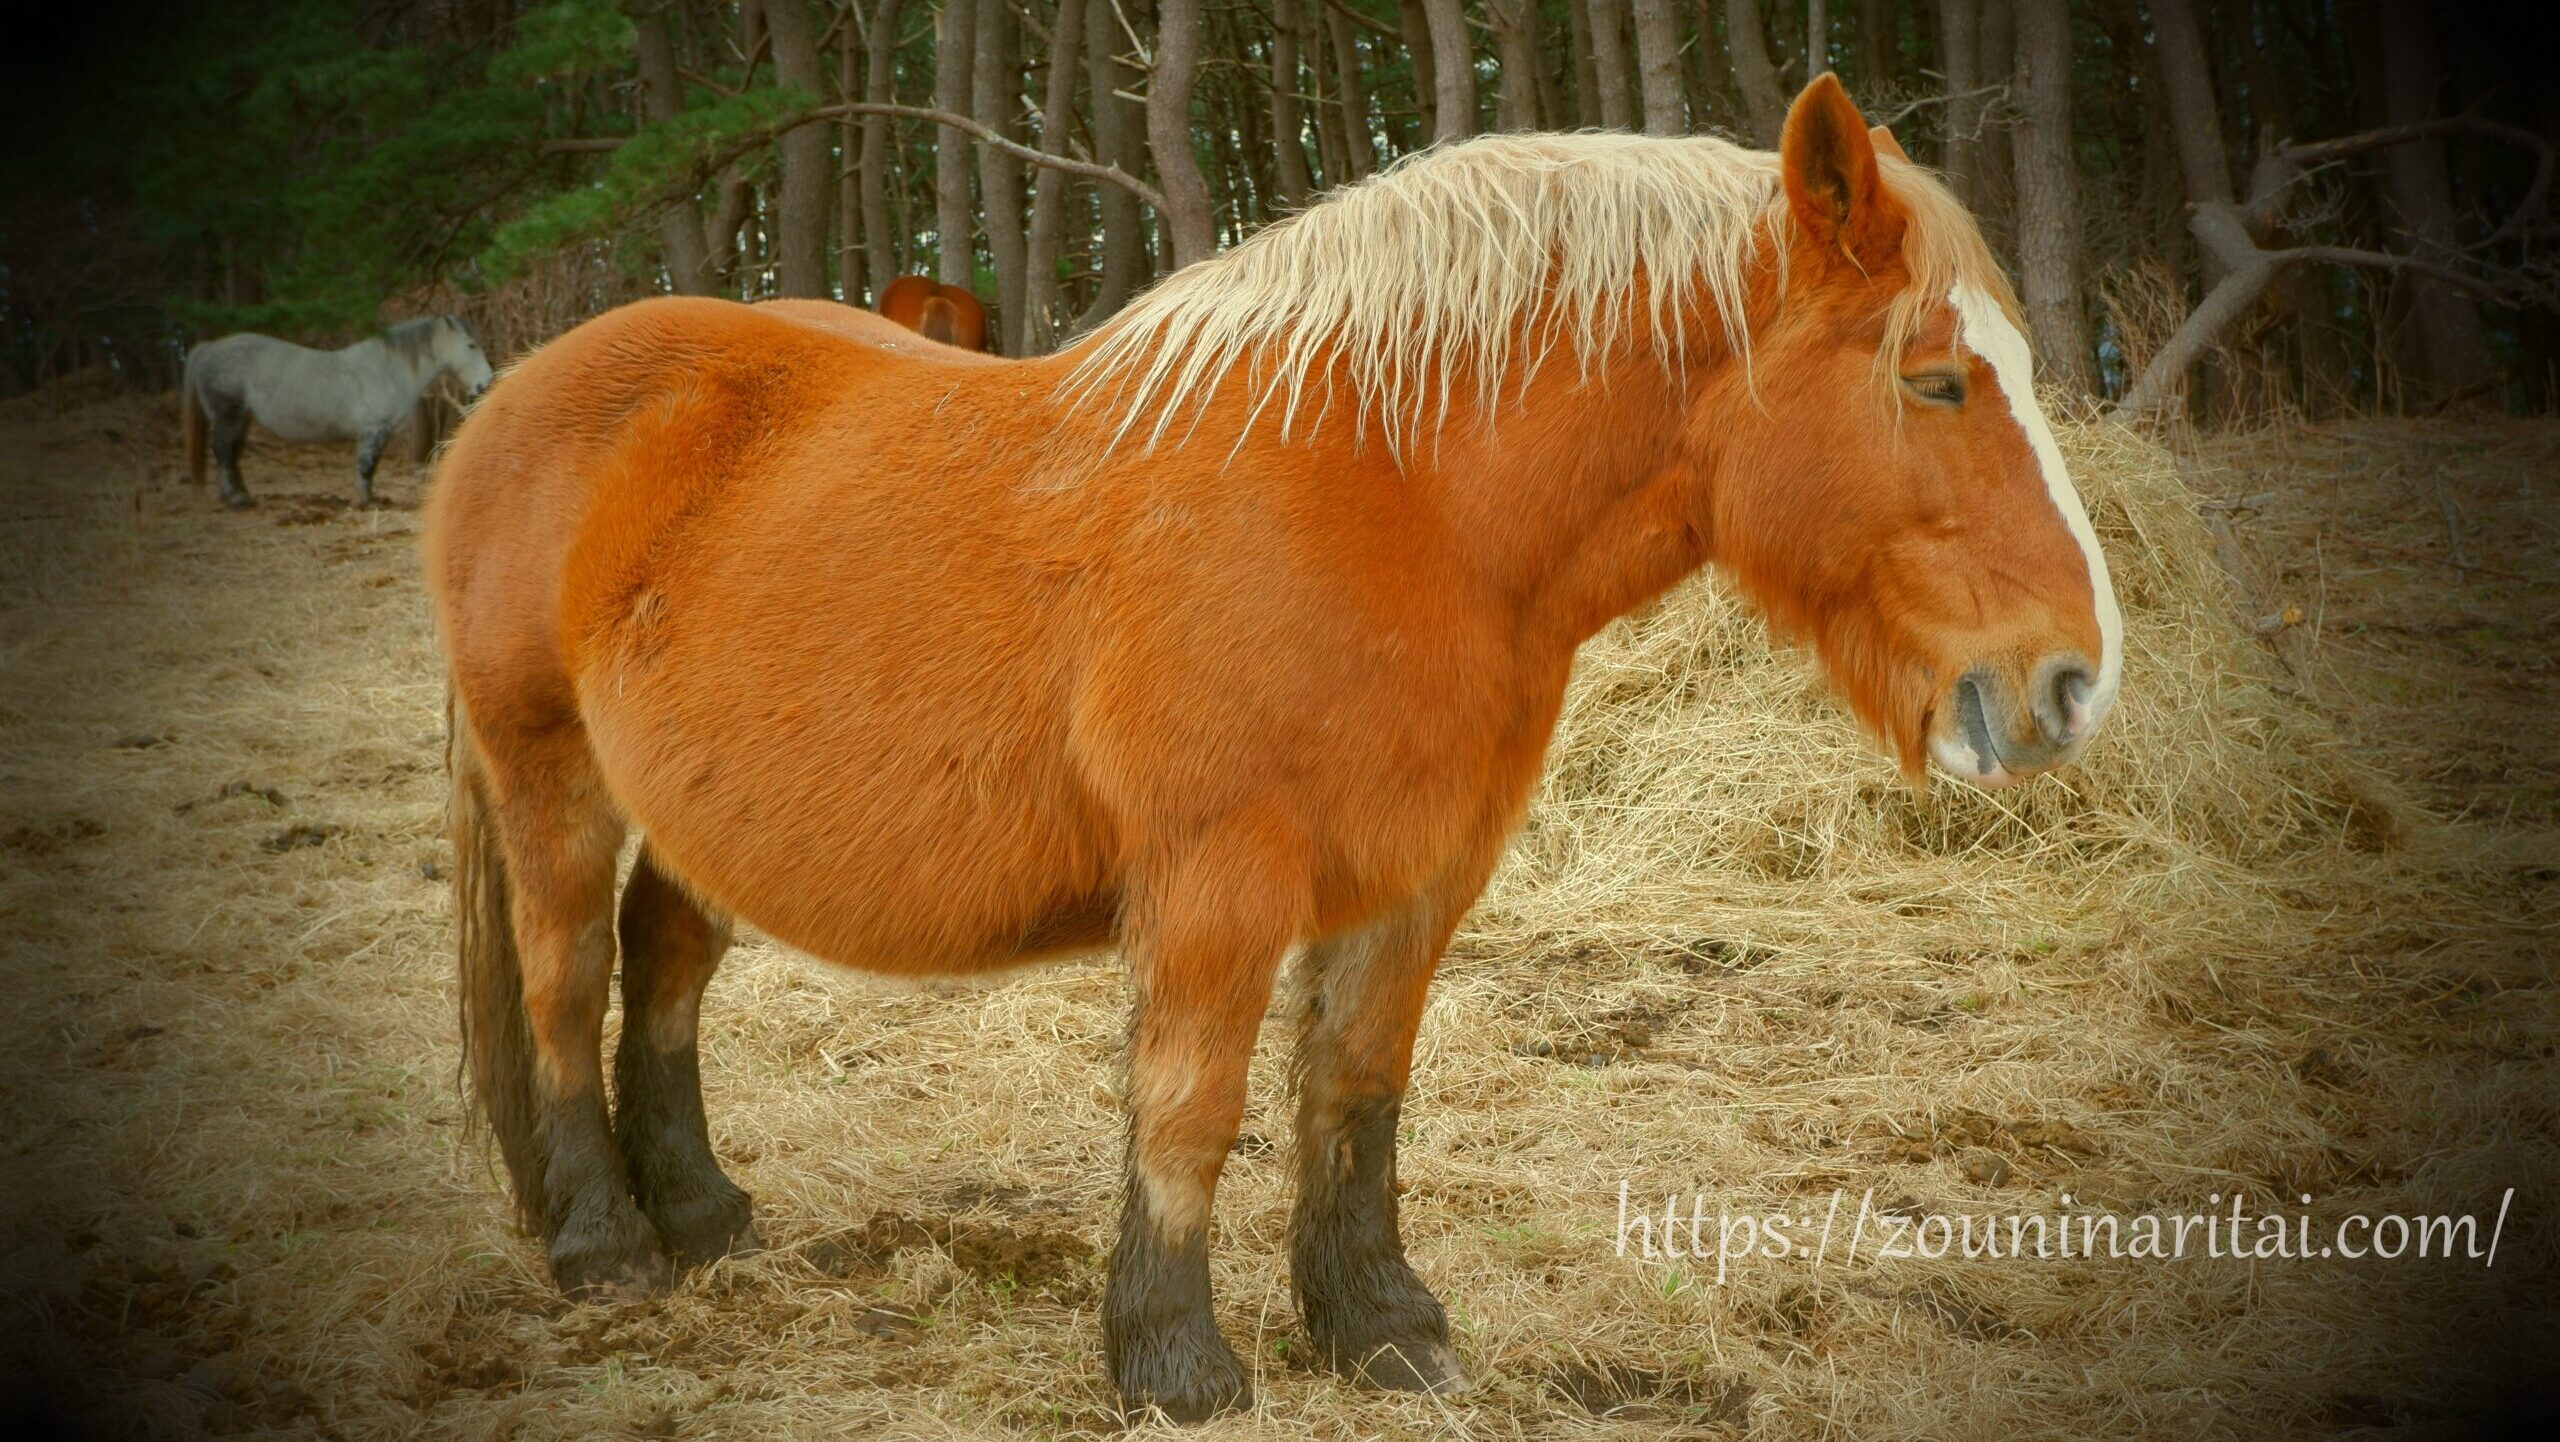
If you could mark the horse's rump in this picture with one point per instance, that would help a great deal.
(629, 536)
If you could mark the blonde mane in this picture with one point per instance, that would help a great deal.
(1475, 259)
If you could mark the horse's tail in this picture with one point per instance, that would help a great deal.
(191, 422)
(497, 1040)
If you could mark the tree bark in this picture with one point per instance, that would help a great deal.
(2049, 221)
(1817, 38)
(800, 240)
(1958, 22)
(1288, 116)
(1424, 62)
(1611, 66)
(1995, 60)
(1453, 70)
(1515, 105)
(2194, 119)
(852, 270)
(1586, 64)
(1764, 110)
(1186, 190)
(954, 48)
(879, 86)
(1351, 95)
(680, 225)
(1657, 27)
(2450, 335)
(996, 89)
(1038, 331)
(1879, 44)
(1116, 131)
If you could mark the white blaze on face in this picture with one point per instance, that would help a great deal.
(1985, 329)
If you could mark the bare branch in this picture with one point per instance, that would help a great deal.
(1103, 174)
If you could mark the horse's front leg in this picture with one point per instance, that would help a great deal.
(1205, 942)
(1361, 1000)
(368, 455)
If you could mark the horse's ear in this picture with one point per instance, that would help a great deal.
(1885, 144)
(1833, 186)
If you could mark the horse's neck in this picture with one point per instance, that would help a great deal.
(1578, 499)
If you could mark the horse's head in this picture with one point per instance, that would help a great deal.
(1897, 496)
(458, 351)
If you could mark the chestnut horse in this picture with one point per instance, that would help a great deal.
(947, 313)
(1233, 634)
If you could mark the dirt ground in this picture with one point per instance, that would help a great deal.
(239, 1200)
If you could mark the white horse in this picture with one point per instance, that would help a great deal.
(358, 393)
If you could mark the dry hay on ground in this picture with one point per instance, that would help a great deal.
(1730, 955)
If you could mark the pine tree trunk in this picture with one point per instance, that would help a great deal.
(2049, 221)
(996, 92)
(1425, 65)
(1879, 44)
(1351, 95)
(955, 48)
(1657, 26)
(1116, 135)
(1817, 38)
(1995, 59)
(1186, 191)
(851, 271)
(2450, 334)
(1586, 64)
(1288, 115)
(1038, 332)
(1764, 110)
(1453, 70)
(1611, 66)
(680, 225)
(1515, 105)
(1712, 106)
(879, 86)
(2195, 121)
(1958, 22)
(808, 171)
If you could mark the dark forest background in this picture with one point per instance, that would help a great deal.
(2241, 207)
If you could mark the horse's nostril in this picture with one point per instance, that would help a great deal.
(2066, 709)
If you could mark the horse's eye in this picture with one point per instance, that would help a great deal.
(1938, 388)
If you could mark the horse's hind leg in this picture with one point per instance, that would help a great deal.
(561, 835)
(670, 947)
(1362, 996)
(230, 425)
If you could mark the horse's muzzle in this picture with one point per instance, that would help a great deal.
(1996, 731)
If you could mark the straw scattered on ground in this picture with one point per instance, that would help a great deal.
(2241, 952)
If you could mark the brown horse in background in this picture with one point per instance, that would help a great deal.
(947, 313)
(1235, 633)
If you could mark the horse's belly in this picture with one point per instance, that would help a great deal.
(288, 422)
(902, 835)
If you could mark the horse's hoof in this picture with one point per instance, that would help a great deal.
(240, 501)
(705, 1227)
(1189, 1385)
(631, 1268)
(1429, 1365)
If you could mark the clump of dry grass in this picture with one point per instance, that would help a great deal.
(1731, 955)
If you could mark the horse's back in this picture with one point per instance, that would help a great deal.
(870, 328)
(295, 392)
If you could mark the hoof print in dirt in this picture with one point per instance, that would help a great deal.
(1624, 1392)
(300, 835)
